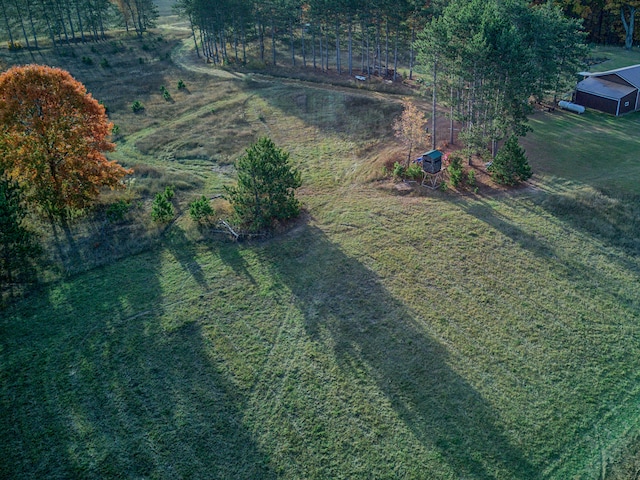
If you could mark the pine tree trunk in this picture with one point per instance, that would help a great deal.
(24, 30)
(338, 64)
(80, 26)
(304, 50)
(395, 55)
(293, 50)
(350, 48)
(386, 50)
(433, 107)
(313, 46)
(31, 22)
(6, 22)
(411, 53)
(273, 40)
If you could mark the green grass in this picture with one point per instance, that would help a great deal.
(616, 57)
(596, 149)
(383, 336)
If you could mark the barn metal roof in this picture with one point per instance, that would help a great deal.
(604, 88)
(630, 74)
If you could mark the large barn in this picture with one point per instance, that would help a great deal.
(615, 92)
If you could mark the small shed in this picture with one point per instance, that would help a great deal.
(431, 161)
(616, 91)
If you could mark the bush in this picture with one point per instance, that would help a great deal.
(87, 60)
(137, 106)
(510, 166)
(165, 93)
(455, 170)
(116, 211)
(162, 210)
(414, 172)
(398, 170)
(104, 63)
(201, 210)
(181, 85)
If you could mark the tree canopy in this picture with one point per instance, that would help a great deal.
(52, 138)
(266, 187)
(493, 56)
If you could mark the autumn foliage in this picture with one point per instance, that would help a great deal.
(411, 127)
(52, 138)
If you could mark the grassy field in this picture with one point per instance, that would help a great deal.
(385, 335)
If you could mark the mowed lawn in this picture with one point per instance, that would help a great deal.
(383, 336)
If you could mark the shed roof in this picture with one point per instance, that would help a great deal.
(604, 88)
(630, 74)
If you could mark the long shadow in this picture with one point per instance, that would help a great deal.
(356, 114)
(613, 218)
(184, 252)
(95, 385)
(346, 306)
(618, 229)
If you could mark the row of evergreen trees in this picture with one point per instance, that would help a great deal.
(25, 22)
(367, 36)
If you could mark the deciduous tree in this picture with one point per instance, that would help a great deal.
(410, 127)
(54, 134)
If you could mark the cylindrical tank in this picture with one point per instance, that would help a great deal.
(573, 107)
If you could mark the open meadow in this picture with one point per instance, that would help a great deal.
(386, 334)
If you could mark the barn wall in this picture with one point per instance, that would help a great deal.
(630, 100)
(598, 103)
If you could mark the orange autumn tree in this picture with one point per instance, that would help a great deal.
(411, 126)
(52, 138)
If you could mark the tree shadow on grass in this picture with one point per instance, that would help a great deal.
(618, 229)
(346, 307)
(100, 381)
(185, 253)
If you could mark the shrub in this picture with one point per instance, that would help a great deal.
(455, 170)
(471, 178)
(115, 130)
(414, 172)
(181, 85)
(398, 170)
(137, 106)
(510, 166)
(116, 211)
(87, 60)
(104, 63)
(200, 209)
(162, 210)
(13, 46)
(165, 93)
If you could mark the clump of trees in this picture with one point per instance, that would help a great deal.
(25, 22)
(489, 58)
(266, 187)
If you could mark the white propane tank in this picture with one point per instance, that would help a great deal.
(573, 107)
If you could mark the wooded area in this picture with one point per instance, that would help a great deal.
(25, 22)
(312, 29)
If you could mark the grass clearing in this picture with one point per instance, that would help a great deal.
(383, 336)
